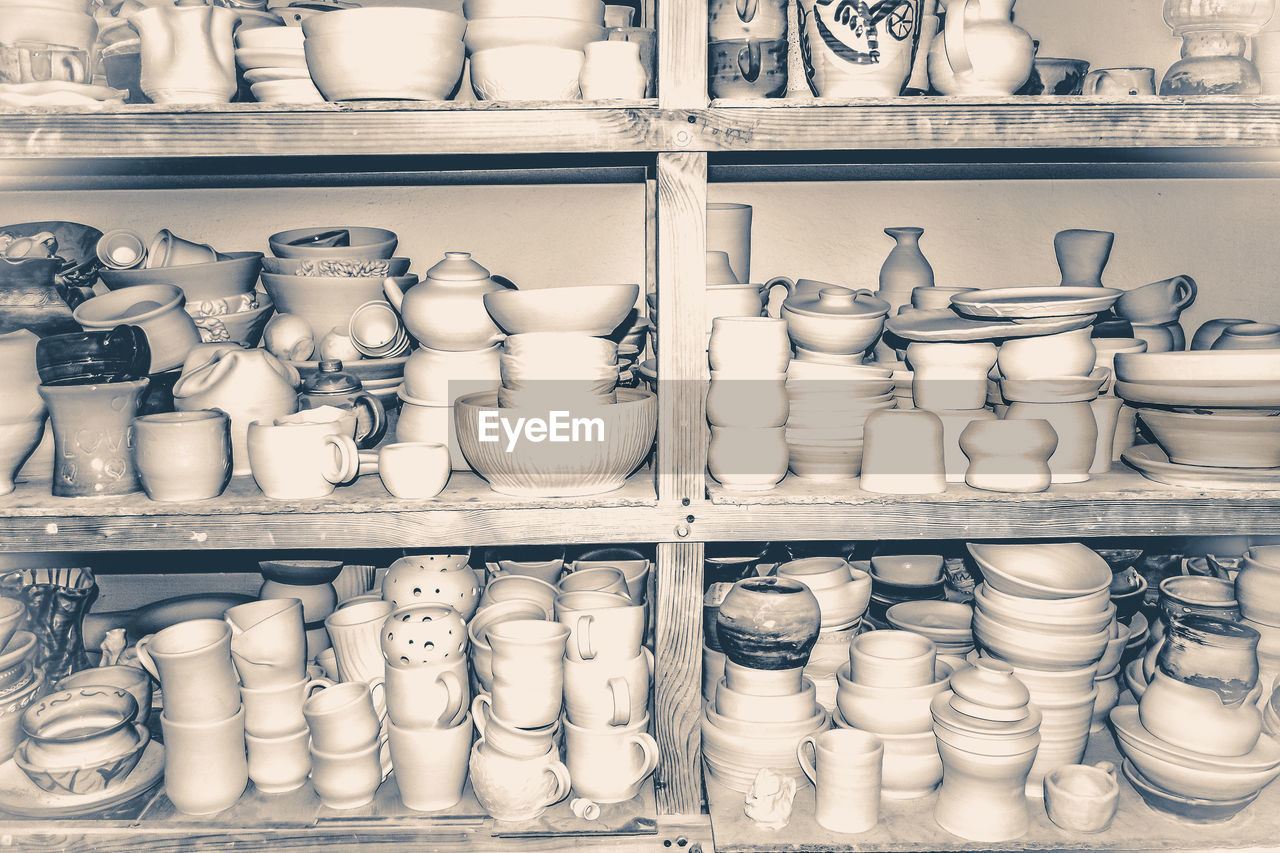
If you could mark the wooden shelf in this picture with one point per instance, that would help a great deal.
(361, 515)
(1120, 502)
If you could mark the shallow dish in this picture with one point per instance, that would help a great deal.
(594, 309)
(950, 326)
(1199, 367)
(362, 242)
(1246, 394)
(271, 57)
(1190, 809)
(1035, 302)
(913, 569)
(1154, 464)
(1042, 570)
(1216, 441)
(235, 273)
(1034, 649)
(487, 33)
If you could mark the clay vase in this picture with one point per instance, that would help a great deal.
(768, 623)
(853, 50)
(57, 601)
(188, 55)
(433, 579)
(248, 385)
(445, 311)
(516, 789)
(1010, 455)
(905, 268)
(22, 409)
(981, 52)
(93, 437)
(1077, 432)
(1082, 255)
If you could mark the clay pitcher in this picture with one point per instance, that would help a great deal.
(248, 385)
(22, 409)
(981, 51)
(188, 56)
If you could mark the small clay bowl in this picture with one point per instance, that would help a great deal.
(300, 572)
(88, 778)
(80, 727)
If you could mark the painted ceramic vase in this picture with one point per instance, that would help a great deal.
(93, 437)
(768, 623)
(57, 601)
(858, 49)
(981, 52)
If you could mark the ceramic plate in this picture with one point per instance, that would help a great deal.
(1035, 302)
(20, 796)
(1154, 464)
(949, 326)
(271, 57)
(1250, 395)
(365, 368)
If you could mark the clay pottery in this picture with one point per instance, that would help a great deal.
(18, 441)
(311, 582)
(1009, 455)
(598, 579)
(1108, 689)
(1258, 585)
(1211, 330)
(33, 300)
(748, 458)
(445, 311)
(746, 68)
(158, 309)
(1107, 348)
(608, 765)
(1158, 302)
(248, 385)
(304, 455)
(1082, 254)
(1113, 82)
(93, 437)
(905, 268)
(276, 711)
(20, 397)
(427, 696)
(981, 51)
(602, 693)
(756, 403)
(612, 69)
(331, 386)
(768, 623)
(1055, 76)
(528, 671)
(735, 751)
(1243, 336)
(845, 771)
(423, 635)
(842, 591)
(192, 662)
(1212, 653)
(892, 659)
(749, 346)
(1106, 414)
(750, 681)
(430, 764)
(57, 600)
(347, 780)
(183, 456)
(188, 55)
(356, 632)
(433, 578)
(954, 423)
(890, 710)
(729, 19)
(1077, 432)
(507, 587)
(903, 453)
(1158, 337)
(950, 375)
(443, 376)
(516, 789)
(1195, 718)
(834, 320)
(268, 644)
(347, 717)
(132, 678)
(1079, 798)
(608, 626)
(1063, 354)
(206, 766)
(279, 764)
(414, 470)
(477, 633)
(853, 52)
(729, 231)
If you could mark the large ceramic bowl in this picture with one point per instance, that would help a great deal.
(84, 777)
(944, 622)
(609, 449)
(1217, 440)
(236, 274)
(1092, 604)
(80, 726)
(595, 309)
(325, 303)
(362, 243)
(890, 710)
(1051, 570)
(1035, 649)
(835, 334)
(374, 23)
(591, 11)
(1192, 809)
(158, 309)
(391, 65)
(1199, 367)
(1085, 624)
(566, 33)
(337, 267)
(528, 72)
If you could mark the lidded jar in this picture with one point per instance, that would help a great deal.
(1215, 37)
(445, 311)
(768, 623)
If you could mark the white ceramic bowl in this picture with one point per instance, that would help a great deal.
(394, 65)
(381, 22)
(287, 92)
(828, 462)
(527, 73)
(1042, 570)
(1199, 367)
(834, 334)
(591, 11)
(1217, 440)
(270, 37)
(1086, 624)
(364, 243)
(266, 75)
(566, 33)
(1093, 604)
(594, 309)
(944, 622)
(816, 370)
(913, 569)
(272, 57)
(325, 302)
(889, 710)
(1035, 649)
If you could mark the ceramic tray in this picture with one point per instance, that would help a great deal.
(946, 325)
(365, 369)
(20, 796)
(1241, 395)
(1154, 464)
(1035, 302)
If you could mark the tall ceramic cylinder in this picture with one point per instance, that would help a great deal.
(982, 796)
(93, 437)
(729, 231)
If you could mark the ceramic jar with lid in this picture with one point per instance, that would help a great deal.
(445, 311)
(832, 319)
(331, 386)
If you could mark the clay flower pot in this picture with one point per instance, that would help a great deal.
(768, 623)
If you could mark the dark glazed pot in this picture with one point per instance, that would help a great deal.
(29, 298)
(768, 623)
(1213, 653)
(57, 601)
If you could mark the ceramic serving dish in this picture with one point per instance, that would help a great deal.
(1217, 440)
(1192, 809)
(595, 309)
(1035, 302)
(1199, 367)
(391, 65)
(80, 726)
(1153, 463)
(235, 273)
(948, 326)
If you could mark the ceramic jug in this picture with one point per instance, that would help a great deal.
(445, 311)
(981, 51)
(188, 56)
(22, 410)
(860, 49)
(248, 385)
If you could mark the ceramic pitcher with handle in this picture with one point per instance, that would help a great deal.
(981, 52)
(188, 55)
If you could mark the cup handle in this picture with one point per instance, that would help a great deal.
(649, 750)
(453, 702)
(144, 657)
(953, 38)
(561, 774)
(751, 53)
(1107, 767)
(1091, 82)
(481, 707)
(378, 693)
(648, 656)
(344, 466)
(384, 753)
(315, 685)
(377, 417)
(620, 693)
(767, 291)
(586, 650)
(1185, 285)
(805, 764)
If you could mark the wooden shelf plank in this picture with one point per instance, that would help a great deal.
(1120, 502)
(361, 515)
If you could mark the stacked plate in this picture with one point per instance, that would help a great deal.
(274, 63)
(829, 405)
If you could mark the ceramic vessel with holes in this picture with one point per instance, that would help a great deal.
(424, 634)
(433, 579)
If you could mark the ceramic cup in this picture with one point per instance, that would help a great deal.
(268, 641)
(206, 767)
(604, 693)
(747, 68)
(608, 765)
(892, 659)
(508, 738)
(528, 671)
(1111, 82)
(431, 764)
(601, 625)
(414, 470)
(347, 780)
(279, 764)
(273, 712)
(763, 682)
(504, 588)
(846, 772)
(356, 633)
(1079, 798)
(300, 460)
(183, 456)
(192, 661)
(343, 718)
(478, 628)
(375, 330)
(516, 789)
(429, 696)
(169, 250)
(749, 346)
(1157, 302)
(601, 579)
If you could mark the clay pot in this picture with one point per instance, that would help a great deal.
(1195, 718)
(950, 375)
(1211, 330)
(93, 437)
(188, 55)
(183, 456)
(768, 623)
(1009, 455)
(1063, 354)
(1211, 653)
(433, 578)
(1248, 336)
(1082, 799)
(1258, 586)
(445, 311)
(1077, 432)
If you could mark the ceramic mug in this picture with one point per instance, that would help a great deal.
(268, 641)
(601, 625)
(508, 738)
(604, 693)
(504, 588)
(169, 250)
(348, 780)
(609, 765)
(430, 763)
(414, 470)
(528, 671)
(747, 68)
(601, 579)
(356, 633)
(206, 767)
(429, 696)
(516, 789)
(183, 456)
(192, 662)
(478, 628)
(1158, 302)
(300, 460)
(274, 712)
(756, 19)
(846, 773)
(749, 346)
(35, 62)
(279, 764)
(1110, 82)
(345, 717)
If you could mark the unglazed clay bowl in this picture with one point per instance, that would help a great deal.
(487, 33)
(1191, 809)
(1057, 687)
(241, 327)
(361, 243)
(378, 21)
(80, 726)
(577, 10)
(87, 777)
(527, 72)
(1093, 604)
(944, 622)
(1032, 648)
(391, 64)
(889, 710)
(594, 309)
(1217, 440)
(155, 308)
(833, 334)
(908, 569)
(1066, 625)
(234, 273)
(337, 267)
(326, 302)
(1199, 367)
(1042, 571)
(270, 37)
(788, 708)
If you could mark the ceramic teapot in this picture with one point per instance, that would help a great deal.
(188, 55)
(981, 51)
(330, 386)
(248, 385)
(445, 311)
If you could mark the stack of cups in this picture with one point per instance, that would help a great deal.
(564, 369)
(843, 593)
(747, 403)
(515, 765)
(607, 676)
(205, 765)
(428, 696)
(347, 743)
(268, 648)
(493, 611)
(747, 51)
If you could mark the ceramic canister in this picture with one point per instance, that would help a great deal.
(183, 456)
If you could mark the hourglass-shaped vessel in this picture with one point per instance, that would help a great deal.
(1215, 37)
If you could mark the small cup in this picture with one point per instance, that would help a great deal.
(279, 764)
(1113, 82)
(747, 68)
(600, 579)
(169, 250)
(192, 660)
(37, 62)
(431, 764)
(274, 712)
(892, 659)
(268, 642)
(508, 738)
(846, 772)
(609, 765)
(356, 633)
(428, 696)
(343, 719)
(414, 470)
(601, 625)
(121, 249)
(206, 768)
(506, 587)
(604, 693)
(347, 780)
(763, 682)
(376, 331)
(1080, 798)
(183, 456)
(300, 460)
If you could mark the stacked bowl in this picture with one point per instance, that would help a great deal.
(273, 62)
(20, 682)
(530, 51)
(898, 578)
(747, 402)
(1045, 609)
(949, 624)
(828, 407)
(842, 592)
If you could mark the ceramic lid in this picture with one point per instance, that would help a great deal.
(837, 301)
(457, 266)
(990, 683)
(947, 717)
(330, 379)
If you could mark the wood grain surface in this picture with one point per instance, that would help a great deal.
(678, 678)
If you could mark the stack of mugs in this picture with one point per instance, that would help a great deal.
(747, 402)
(205, 765)
(842, 592)
(885, 689)
(829, 406)
(748, 49)
(428, 696)
(348, 747)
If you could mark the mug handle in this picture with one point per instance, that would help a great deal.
(586, 650)
(953, 38)
(454, 694)
(377, 416)
(384, 753)
(561, 774)
(378, 693)
(747, 10)
(144, 657)
(1091, 82)
(648, 656)
(620, 693)
(751, 71)
(315, 685)
(344, 466)
(649, 750)
(778, 281)
(1107, 767)
(1186, 285)
(805, 764)
(479, 714)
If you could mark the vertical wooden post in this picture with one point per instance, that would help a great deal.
(682, 54)
(677, 703)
